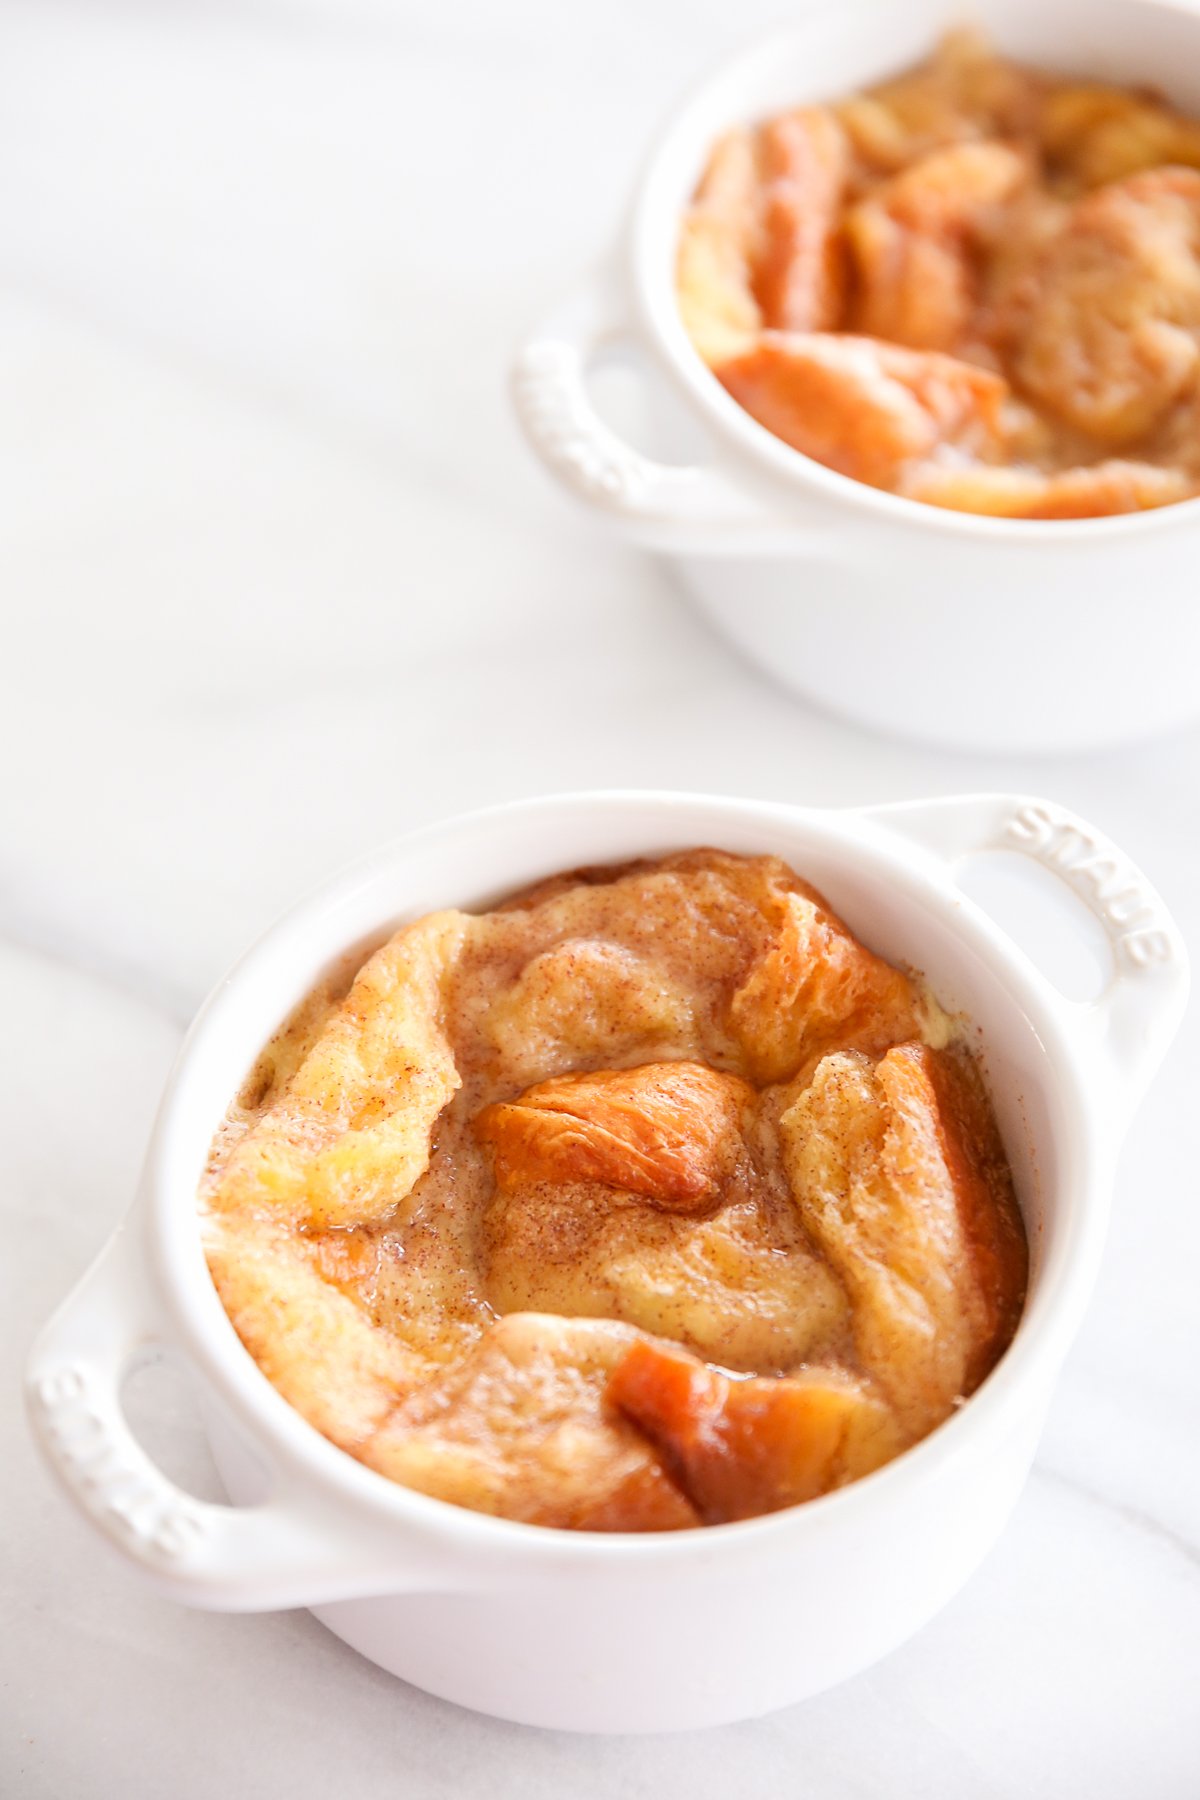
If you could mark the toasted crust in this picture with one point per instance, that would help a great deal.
(521, 1427)
(669, 1131)
(1095, 492)
(312, 1340)
(815, 984)
(913, 243)
(799, 274)
(861, 406)
(740, 1448)
(350, 1133)
(899, 1174)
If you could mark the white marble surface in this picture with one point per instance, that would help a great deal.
(278, 582)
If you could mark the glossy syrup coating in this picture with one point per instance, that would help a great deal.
(649, 1199)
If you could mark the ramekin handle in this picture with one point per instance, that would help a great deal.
(287, 1551)
(663, 503)
(1132, 1022)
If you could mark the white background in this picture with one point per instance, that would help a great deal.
(278, 581)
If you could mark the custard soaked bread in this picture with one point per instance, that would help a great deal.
(649, 1199)
(977, 285)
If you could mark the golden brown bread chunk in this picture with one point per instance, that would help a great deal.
(913, 242)
(311, 1339)
(963, 92)
(861, 406)
(669, 1131)
(521, 1428)
(1094, 492)
(1100, 134)
(588, 999)
(814, 985)
(798, 273)
(1107, 339)
(899, 1174)
(717, 240)
(740, 1448)
(350, 1133)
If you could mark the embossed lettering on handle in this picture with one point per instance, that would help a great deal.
(1116, 893)
(1123, 1032)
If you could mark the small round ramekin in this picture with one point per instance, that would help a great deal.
(951, 628)
(623, 1632)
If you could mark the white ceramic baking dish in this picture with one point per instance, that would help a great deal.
(959, 630)
(621, 1633)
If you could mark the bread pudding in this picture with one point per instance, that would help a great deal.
(977, 285)
(648, 1199)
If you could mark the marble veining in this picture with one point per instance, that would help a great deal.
(1134, 1517)
(281, 581)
